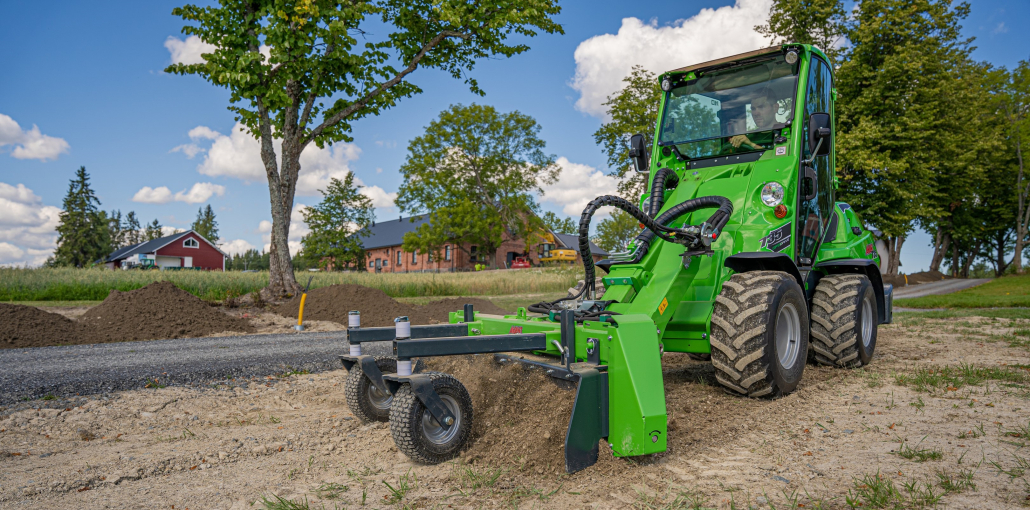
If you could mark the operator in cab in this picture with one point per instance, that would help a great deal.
(763, 111)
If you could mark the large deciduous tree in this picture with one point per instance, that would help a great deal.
(559, 224)
(632, 110)
(303, 71)
(818, 22)
(336, 223)
(475, 170)
(897, 84)
(82, 234)
(615, 233)
(1013, 103)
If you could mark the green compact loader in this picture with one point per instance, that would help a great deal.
(745, 259)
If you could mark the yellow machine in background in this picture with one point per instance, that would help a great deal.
(549, 251)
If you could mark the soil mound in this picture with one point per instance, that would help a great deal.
(915, 278)
(159, 310)
(520, 414)
(333, 303)
(28, 326)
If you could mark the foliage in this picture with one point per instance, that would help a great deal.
(1012, 101)
(303, 72)
(615, 232)
(336, 223)
(205, 224)
(558, 224)
(69, 284)
(153, 231)
(475, 171)
(133, 231)
(83, 236)
(248, 260)
(898, 86)
(817, 22)
(632, 110)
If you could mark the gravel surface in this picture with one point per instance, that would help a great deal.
(67, 371)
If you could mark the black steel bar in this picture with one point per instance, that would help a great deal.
(362, 335)
(568, 336)
(482, 344)
(470, 314)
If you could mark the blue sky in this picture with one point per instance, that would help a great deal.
(86, 88)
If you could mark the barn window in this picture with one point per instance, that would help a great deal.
(191, 243)
(371, 263)
(414, 257)
(447, 253)
(399, 261)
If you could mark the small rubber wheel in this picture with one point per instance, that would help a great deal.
(844, 318)
(698, 356)
(418, 435)
(366, 401)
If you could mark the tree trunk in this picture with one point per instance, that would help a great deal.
(954, 260)
(281, 190)
(999, 263)
(970, 258)
(1022, 212)
(940, 248)
(894, 254)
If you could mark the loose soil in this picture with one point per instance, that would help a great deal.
(234, 443)
(334, 302)
(915, 278)
(158, 311)
(28, 326)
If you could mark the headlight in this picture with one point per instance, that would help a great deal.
(772, 194)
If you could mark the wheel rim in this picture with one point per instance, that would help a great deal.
(788, 335)
(436, 433)
(867, 322)
(379, 399)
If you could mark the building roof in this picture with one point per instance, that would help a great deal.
(572, 241)
(153, 246)
(390, 233)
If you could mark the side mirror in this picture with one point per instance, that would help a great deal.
(638, 153)
(820, 139)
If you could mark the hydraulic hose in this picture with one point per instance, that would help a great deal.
(718, 220)
(664, 179)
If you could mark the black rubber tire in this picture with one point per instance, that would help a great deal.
(358, 390)
(697, 356)
(406, 421)
(838, 316)
(744, 332)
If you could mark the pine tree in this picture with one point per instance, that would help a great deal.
(133, 234)
(153, 230)
(115, 229)
(82, 231)
(205, 224)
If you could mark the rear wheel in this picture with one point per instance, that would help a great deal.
(844, 318)
(416, 432)
(366, 401)
(760, 334)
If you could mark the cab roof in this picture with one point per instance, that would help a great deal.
(743, 56)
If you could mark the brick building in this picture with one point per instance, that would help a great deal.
(384, 239)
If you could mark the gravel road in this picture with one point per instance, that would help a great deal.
(935, 288)
(100, 368)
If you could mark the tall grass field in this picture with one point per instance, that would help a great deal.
(66, 284)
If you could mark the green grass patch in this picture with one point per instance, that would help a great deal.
(878, 491)
(912, 318)
(919, 454)
(950, 378)
(1005, 292)
(70, 284)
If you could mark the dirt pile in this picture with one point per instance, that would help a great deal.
(28, 326)
(159, 310)
(377, 309)
(915, 278)
(520, 414)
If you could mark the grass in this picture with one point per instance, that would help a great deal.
(406, 483)
(949, 378)
(1005, 292)
(878, 491)
(919, 454)
(69, 284)
(992, 313)
(331, 490)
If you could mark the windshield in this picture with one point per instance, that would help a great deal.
(729, 111)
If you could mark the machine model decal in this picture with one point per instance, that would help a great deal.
(515, 330)
(777, 239)
(663, 306)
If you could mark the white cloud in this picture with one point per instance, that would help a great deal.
(27, 227)
(199, 193)
(604, 60)
(189, 149)
(238, 155)
(577, 185)
(167, 231)
(187, 51)
(235, 247)
(148, 195)
(29, 144)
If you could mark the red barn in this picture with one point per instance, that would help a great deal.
(184, 249)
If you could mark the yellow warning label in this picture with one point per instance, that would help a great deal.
(663, 306)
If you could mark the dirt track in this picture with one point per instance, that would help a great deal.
(229, 446)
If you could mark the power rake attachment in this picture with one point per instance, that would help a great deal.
(430, 413)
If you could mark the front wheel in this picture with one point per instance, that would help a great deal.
(416, 432)
(760, 334)
(366, 401)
